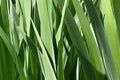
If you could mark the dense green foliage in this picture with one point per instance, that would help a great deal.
(59, 40)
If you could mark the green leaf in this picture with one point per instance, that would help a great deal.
(44, 9)
(27, 14)
(70, 69)
(13, 33)
(111, 31)
(94, 52)
(12, 53)
(47, 69)
(78, 42)
(7, 67)
(116, 11)
(102, 41)
(4, 17)
(58, 34)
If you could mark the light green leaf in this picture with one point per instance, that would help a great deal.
(111, 31)
(94, 52)
(106, 53)
(48, 71)
(44, 9)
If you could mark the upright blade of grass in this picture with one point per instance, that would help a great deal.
(15, 16)
(59, 38)
(4, 16)
(102, 41)
(12, 53)
(25, 8)
(48, 69)
(58, 34)
(27, 14)
(78, 42)
(33, 2)
(73, 31)
(60, 66)
(7, 68)
(17, 7)
(28, 41)
(21, 26)
(33, 56)
(36, 52)
(13, 32)
(94, 52)
(71, 64)
(46, 25)
(78, 69)
(111, 31)
(116, 8)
